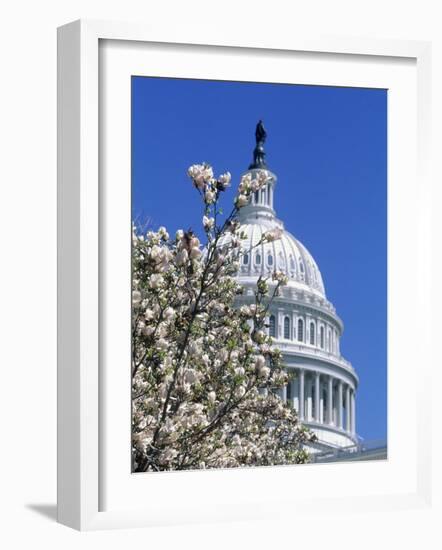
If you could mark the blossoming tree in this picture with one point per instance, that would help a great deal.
(205, 374)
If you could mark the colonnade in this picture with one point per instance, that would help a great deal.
(323, 399)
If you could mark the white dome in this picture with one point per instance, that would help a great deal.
(286, 254)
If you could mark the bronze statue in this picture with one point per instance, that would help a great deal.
(260, 133)
(258, 152)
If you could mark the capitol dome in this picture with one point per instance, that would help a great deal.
(302, 322)
(286, 254)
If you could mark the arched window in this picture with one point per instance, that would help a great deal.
(256, 197)
(289, 391)
(263, 196)
(300, 330)
(258, 258)
(314, 274)
(272, 326)
(245, 259)
(270, 259)
(312, 334)
(292, 263)
(287, 328)
(301, 269)
(322, 336)
(329, 344)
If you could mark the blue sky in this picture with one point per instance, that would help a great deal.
(328, 147)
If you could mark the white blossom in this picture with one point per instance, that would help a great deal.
(242, 200)
(273, 234)
(208, 223)
(209, 197)
(169, 313)
(211, 396)
(156, 281)
(182, 257)
(136, 297)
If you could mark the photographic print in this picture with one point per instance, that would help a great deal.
(259, 230)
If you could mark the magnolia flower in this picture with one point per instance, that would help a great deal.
(190, 377)
(168, 454)
(208, 223)
(156, 252)
(162, 344)
(195, 253)
(211, 396)
(273, 234)
(169, 313)
(263, 176)
(207, 173)
(192, 241)
(148, 330)
(156, 280)
(182, 257)
(200, 174)
(255, 185)
(246, 179)
(179, 234)
(136, 297)
(162, 330)
(209, 197)
(240, 392)
(163, 233)
(224, 181)
(264, 372)
(259, 336)
(193, 348)
(242, 200)
(280, 276)
(148, 314)
(236, 440)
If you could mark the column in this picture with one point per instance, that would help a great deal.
(317, 397)
(284, 393)
(309, 395)
(279, 319)
(295, 393)
(353, 412)
(330, 400)
(301, 394)
(340, 408)
(347, 409)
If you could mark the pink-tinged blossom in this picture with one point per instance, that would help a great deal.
(273, 234)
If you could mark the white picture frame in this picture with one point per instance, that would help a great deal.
(80, 261)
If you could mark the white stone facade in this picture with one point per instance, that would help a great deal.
(304, 325)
